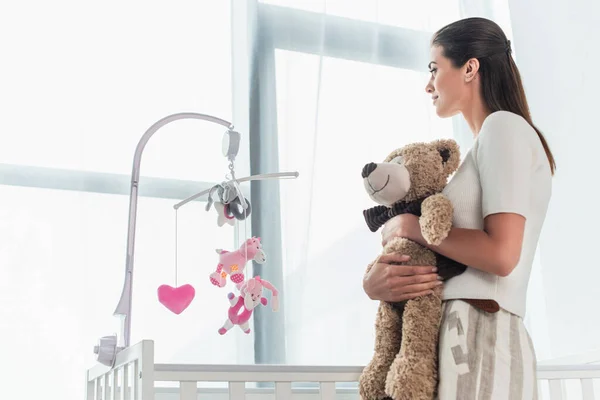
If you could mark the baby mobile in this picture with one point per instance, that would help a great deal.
(232, 208)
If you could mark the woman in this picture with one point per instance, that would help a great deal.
(500, 194)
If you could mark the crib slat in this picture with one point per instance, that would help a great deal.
(555, 389)
(283, 391)
(125, 393)
(106, 388)
(90, 390)
(188, 391)
(115, 384)
(587, 389)
(137, 390)
(98, 389)
(237, 390)
(327, 390)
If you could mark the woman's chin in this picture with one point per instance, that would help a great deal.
(439, 111)
(444, 113)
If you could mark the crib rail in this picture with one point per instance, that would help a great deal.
(324, 379)
(565, 382)
(131, 378)
(136, 377)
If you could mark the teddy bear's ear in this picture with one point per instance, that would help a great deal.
(393, 154)
(450, 153)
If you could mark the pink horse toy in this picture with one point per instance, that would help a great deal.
(251, 295)
(234, 262)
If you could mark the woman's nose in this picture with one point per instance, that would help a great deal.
(429, 87)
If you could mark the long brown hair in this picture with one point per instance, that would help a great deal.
(501, 85)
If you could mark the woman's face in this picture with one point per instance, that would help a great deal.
(448, 85)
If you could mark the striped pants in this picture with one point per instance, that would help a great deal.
(484, 355)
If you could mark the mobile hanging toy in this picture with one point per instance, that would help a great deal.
(232, 207)
(234, 262)
(178, 298)
(242, 306)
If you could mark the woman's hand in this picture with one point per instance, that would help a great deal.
(404, 225)
(394, 283)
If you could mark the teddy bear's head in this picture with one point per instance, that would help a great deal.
(412, 172)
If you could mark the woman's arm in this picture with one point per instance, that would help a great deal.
(496, 249)
(387, 281)
(504, 159)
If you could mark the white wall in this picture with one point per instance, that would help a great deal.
(556, 44)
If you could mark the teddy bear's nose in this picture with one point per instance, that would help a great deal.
(368, 168)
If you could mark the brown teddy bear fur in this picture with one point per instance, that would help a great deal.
(405, 360)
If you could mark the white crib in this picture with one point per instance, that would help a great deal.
(135, 376)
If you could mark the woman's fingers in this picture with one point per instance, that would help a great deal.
(409, 296)
(405, 287)
(404, 270)
(416, 279)
(391, 280)
(393, 258)
(412, 291)
(411, 270)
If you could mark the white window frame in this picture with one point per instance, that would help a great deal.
(259, 30)
(98, 182)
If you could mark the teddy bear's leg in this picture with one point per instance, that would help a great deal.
(388, 331)
(414, 373)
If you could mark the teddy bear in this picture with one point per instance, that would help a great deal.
(410, 180)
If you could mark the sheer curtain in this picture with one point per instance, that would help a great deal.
(349, 88)
(80, 85)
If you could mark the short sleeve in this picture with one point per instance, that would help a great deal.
(505, 161)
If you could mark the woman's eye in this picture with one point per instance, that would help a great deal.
(433, 71)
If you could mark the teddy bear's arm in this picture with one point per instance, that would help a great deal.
(436, 218)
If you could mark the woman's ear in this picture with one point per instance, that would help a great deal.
(471, 69)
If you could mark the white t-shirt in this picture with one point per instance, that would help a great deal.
(506, 170)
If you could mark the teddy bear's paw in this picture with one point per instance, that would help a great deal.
(396, 391)
(433, 232)
(436, 218)
(433, 239)
(412, 379)
(368, 392)
(371, 382)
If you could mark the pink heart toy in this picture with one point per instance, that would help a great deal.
(176, 299)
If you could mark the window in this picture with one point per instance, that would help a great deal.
(347, 82)
(343, 90)
(87, 81)
(334, 117)
(400, 13)
(83, 84)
